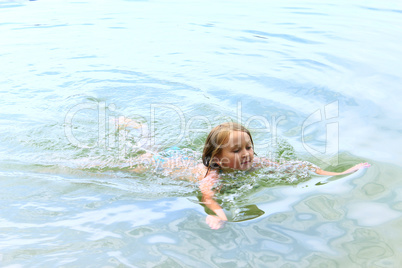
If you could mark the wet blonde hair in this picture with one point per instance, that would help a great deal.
(216, 142)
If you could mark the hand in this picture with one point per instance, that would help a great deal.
(357, 167)
(215, 222)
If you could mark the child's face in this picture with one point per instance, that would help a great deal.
(237, 152)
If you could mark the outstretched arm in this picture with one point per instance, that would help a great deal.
(208, 195)
(350, 170)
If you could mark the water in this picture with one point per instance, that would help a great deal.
(323, 76)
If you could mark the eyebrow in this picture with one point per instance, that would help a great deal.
(236, 146)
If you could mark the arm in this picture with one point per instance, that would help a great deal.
(262, 162)
(350, 170)
(208, 195)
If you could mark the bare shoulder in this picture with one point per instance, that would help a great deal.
(203, 173)
(199, 171)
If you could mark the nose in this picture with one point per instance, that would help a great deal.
(244, 153)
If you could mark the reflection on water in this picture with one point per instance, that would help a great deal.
(367, 248)
(324, 205)
(302, 225)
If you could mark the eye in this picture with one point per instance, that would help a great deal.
(249, 147)
(236, 151)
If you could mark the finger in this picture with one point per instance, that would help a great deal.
(212, 222)
(213, 225)
(217, 226)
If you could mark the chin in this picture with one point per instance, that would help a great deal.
(246, 166)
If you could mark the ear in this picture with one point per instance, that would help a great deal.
(216, 162)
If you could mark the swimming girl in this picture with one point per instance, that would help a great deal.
(230, 147)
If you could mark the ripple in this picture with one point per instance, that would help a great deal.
(286, 37)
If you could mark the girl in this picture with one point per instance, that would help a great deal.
(230, 147)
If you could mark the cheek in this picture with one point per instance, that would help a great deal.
(233, 161)
(226, 160)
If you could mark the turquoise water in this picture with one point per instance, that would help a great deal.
(323, 76)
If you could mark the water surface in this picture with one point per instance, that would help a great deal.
(323, 76)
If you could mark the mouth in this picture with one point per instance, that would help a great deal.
(245, 163)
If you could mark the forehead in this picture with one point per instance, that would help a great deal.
(238, 137)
